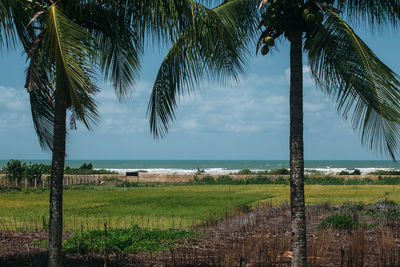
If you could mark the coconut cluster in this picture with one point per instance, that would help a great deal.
(287, 17)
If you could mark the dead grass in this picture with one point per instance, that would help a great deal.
(258, 237)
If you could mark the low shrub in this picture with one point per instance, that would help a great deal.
(355, 172)
(224, 179)
(259, 179)
(282, 171)
(338, 221)
(385, 172)
(281, 180)
(86, 166)
(388, 181)
(245, 171)
(328, 180)
(128, 240)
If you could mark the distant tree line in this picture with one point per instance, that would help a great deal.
(18, 171)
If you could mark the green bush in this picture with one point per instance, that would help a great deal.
(355, 172)
(245, 171)
(259, 179)
(388, 181)
(281, 180)
(282, 171)
(224, 179)
(208, 179)
(127, 240)
(338, 221)
(86, 166)
(328, 180)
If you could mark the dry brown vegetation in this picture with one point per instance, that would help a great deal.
(258, 237)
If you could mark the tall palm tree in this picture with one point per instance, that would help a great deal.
(66, 43)
(342, 65)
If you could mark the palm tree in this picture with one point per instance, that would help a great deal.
(66, 42)
(342, 65)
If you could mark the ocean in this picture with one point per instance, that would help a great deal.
(225, 166)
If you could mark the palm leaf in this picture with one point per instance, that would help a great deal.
(213, 45)
(39, 86)
(346, 68)
(70, 51)
(118, 43)
(7, 27)
(376, 13)
(42, 109)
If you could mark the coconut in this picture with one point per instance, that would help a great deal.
(264, 50)
(269, 40)
(310, 18)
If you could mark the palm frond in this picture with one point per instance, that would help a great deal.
(7, 29)
(346, 68)
(166, 20)
(70, 51)
(39, 86)
(118, 43)
(42, 109)
(375, 13)
(213, 46)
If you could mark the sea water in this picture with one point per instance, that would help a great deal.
(224, 166)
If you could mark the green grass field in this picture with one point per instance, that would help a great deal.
(163, 207)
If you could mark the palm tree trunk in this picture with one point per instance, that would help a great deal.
(56, 183)
(298, 217)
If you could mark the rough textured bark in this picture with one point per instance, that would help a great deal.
(56, 184)
(299, 242)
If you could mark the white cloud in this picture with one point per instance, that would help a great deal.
(14, 110)
(13, 99)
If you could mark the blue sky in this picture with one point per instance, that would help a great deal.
(245, 121)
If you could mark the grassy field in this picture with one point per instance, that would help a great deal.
(163, 207)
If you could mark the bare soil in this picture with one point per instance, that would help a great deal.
(260, 237)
